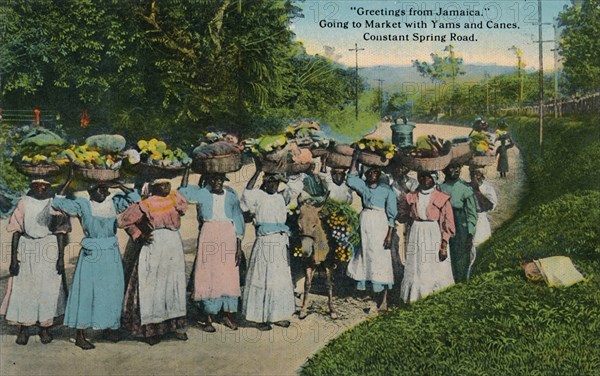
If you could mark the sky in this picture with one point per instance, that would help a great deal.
(323, 25)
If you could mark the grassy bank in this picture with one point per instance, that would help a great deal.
(499, 323)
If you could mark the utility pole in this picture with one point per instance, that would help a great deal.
(356, 49)
(541, 42)
(519, 55)
(380, 96)
(541, 75)
(555, 50)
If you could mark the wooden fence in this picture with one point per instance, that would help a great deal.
(586, 104)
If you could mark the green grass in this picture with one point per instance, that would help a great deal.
(498, 322)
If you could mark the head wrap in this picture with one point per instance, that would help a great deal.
(217, 174)
(433, 174)
(481, 169)
(278, 176)
(40, 181)
(160, 181)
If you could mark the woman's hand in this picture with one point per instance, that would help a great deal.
(238, 252)
(14, 267)
(123, 187)
(387, 243)
(60, 266)
(443, 253)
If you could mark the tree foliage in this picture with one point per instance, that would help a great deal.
(172, 67)
(580, 46)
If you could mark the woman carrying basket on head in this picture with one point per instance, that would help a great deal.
(96, 297)
(428, 266)
(36, 292)
(216, 276)
(155, 296)
(373, 262)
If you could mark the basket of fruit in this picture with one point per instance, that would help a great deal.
(98, 174)
(429, 154)
(483, 160)
(340, 156)
(461, 150)
(158, 161)
(218, 164)
(217, 153)
(426, 163)
(38, 154)
(40, 170)
(375, 152)
(99, 158)
(278, 154)
(482, 147)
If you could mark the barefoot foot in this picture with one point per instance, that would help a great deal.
(84, 344)
(45, 336)
(282, 323)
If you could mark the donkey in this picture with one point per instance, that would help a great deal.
(316, 252)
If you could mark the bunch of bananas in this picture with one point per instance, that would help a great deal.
(43, 159)
(481, 142)
(377, 146)
(90, 157)
(265, 144)
(156, 152)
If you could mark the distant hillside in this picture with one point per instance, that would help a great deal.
(396, 75)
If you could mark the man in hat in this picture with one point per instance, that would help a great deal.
(155, 296)
(464, 208)
(373, 264)
(216, 275)
(36, 291)
(96, 297)
(269, 292)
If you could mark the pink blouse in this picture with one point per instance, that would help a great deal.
(161, 212)
(439, 209)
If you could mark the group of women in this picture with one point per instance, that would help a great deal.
(440, 222)
(147, 297)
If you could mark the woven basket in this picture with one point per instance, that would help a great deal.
(461, 153)
(154, 172)
(98, 174)
(374, 160)
(282, 166)
(427, 164)
(483, 160)
(218, 164)
(40, 170)
(337, 160)
(318, 152)
(344, 149)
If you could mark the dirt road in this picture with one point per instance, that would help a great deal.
(246, 351)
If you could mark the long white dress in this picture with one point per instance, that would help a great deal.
(269, 293)
(36, 294)
(372, 262)
(483, 230)
(424, 272)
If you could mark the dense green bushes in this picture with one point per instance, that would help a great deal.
(498, 322)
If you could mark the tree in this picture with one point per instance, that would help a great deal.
(580, 46)
(150, 68)
(443, 69)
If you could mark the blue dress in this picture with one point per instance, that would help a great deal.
(96, 296)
